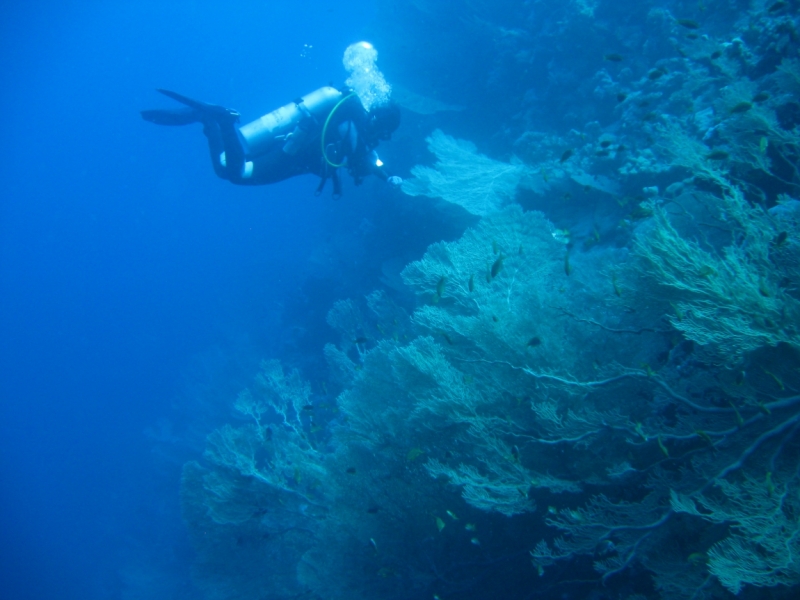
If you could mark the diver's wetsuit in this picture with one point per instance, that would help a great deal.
(345, 140)
(349, 139)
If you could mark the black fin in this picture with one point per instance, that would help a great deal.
(214, 111)
(180, 116)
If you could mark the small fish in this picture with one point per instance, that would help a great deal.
(678, 311)
(692, 36)
(470, 527)
(761, 97)
(704, 436)
(739, 380)
(778, 6)
(440, 286)
(768, 482)
(688, 23)
(617, 292)
(622, 96)
(308, 407)
(440, 524)
(775, 378)
(567, 267)
(360, 340)
(567, 196)
(780, 238)
(717, 155)
(654, 74)
(447, 338)
(741, 107)
(545, 176)
(605, 143)
(716, 54)
(520, 252)
(697, 558)
(561, 235)
(765, 291)
(763, 143)
(533, 342)
(605, 548)
(706, 271)
(414, 453)
(641, 212)
(373, 510)
(613, 57)
(374, 544)
(495, 247)
(471, 284)
(488, 275)
(604, 152)
(495, 319)
(475, 541)
(621, 148)
(452, 515)
(565, 156)
(662, 447)
(739, 419)
(588, 188)
(497, 266)
(351, 470)
(515, 452)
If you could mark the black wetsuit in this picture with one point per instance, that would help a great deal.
(347, 141)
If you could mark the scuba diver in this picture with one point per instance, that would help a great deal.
(318, 133)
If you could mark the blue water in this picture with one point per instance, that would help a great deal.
(124, 258)
(139, 295)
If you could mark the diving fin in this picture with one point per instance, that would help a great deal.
(213, 111)
(180, 116)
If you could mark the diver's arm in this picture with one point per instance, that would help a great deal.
(363, 161)
(376, 167)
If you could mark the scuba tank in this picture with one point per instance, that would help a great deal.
(288, 123)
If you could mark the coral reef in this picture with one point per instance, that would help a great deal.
(594, 387)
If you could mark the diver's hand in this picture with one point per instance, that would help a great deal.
(395, 181)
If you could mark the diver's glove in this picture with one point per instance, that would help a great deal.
(395, 181)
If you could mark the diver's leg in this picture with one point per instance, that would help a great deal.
(234, 162)
(215, 148)
(219, 126)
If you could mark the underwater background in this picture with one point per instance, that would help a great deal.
(562, 361)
